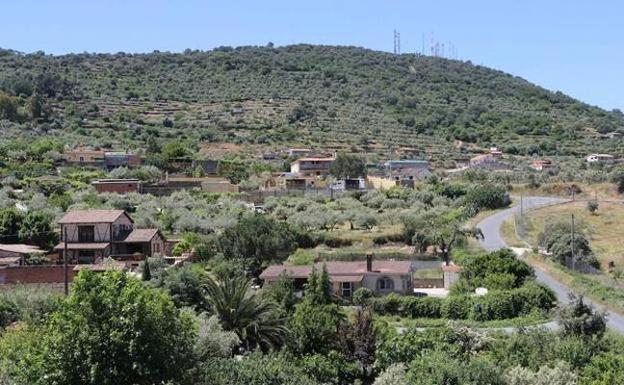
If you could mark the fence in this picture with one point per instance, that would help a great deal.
(259, 196)
(36, 274)
(428, 283)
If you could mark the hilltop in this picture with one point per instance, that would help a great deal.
(320, 96)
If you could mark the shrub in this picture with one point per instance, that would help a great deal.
(457, 307)
(495, 305)
(380, 240)
(362, 296)
(9, 312)
(337, 242)
(421, 307)
(535, 296)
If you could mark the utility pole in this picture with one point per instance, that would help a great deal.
(521, 206)
(66, 278)
(572, 246)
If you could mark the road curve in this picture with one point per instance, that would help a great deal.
(493, 241)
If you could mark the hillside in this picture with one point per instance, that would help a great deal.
(320, 96)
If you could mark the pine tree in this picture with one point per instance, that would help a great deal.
(324, 287)
(146, 274)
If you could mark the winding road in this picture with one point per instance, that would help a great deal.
(493, 241)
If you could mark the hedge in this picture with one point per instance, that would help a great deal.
(495, 305)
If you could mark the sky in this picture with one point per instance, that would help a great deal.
(572, 46)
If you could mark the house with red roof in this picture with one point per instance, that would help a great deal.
(382, 277)
(90, 236)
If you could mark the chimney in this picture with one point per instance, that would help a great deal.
(369, 261)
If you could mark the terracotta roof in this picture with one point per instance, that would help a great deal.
(346, 278)
(21, 249)
(336, 269)
(9, 260)
(112, 181)
(140, 236)
(91, 216)
(82, 246)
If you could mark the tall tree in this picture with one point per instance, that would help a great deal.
(348, 166)
(111, 330)
(255, 320)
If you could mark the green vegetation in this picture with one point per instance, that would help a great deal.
(265, 96)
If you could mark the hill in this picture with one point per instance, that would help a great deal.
(320, 96)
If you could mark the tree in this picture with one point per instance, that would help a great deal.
(175, 150)
(604, 369)
(581, 320)
(441, 228)
(477, 271)
(347, 166)
(318, 288)
(10, 225)
(282, 292)
(592, 206)
(256, 240)
(146, 274)
(36, 228)
(185, 284)
(110, 330)
(255, 320)
(486, 196)
(212, 341)
(235, 170)
(313, 328)
(358, 339)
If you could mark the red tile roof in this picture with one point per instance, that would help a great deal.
(21, 249)
(140, 236)
(9, 260)
(336, 269)
(91, 216)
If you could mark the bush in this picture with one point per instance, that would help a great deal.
(9, 312)
(362, 296)
(495, 306)
(337, 242)
(421, 307)
(535, 296)
(380, 240)
(457, 307)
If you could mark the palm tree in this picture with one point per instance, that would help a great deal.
(254, 319)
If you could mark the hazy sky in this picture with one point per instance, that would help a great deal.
(573, 46)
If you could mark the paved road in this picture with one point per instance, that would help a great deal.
(493, 240)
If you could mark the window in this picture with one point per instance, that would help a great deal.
(86, 256)
(347, 289)
(86, 234)
(385, 284)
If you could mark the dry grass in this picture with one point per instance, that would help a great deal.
(604, 228)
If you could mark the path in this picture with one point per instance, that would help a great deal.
(493, 241)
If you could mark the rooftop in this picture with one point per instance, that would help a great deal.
(21, 249)
(140, 236)
(340, 269)
(9, 260)
(91, 216)
(114, 181)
